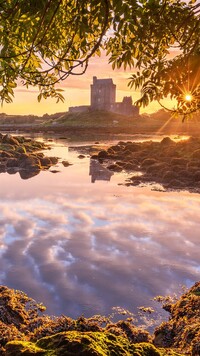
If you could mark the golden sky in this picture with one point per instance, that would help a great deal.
(76, 91)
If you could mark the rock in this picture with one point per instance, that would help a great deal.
(110, 151)
(23, 156)
(175, 183)
(116, 148)
(133, 147)
(11, 170)
(177, 161)
(196, 154)
(20, 139)
(27, 174)
(103, 154)
(5, 154)
(25, 348)
(81, 344)
(126, 153)
(8, 333)
(185, 174)
(12, 162)
(45, 162)
(54, 160)
(30, 162)
(148, 162)
(66, 163)
(196, 176)
(2, 168)
(94, 156)
(81, 156)
(10, 140)
(183, 328)
(166, 141)
(193, 164)
(178, 169)
(115, 168)
(21, 322)
(20, 152)
(167, 162)
(154, 168)
(130, 166)
(21, 149)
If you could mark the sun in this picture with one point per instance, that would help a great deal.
(188, 97)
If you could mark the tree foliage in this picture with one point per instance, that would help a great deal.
(42, 42)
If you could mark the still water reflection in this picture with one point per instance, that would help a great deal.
(84, 248)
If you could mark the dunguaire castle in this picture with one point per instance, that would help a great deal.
(103, 97)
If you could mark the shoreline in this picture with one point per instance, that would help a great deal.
(100, 126)
(101, 130)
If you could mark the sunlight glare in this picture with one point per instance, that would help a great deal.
(188, 97)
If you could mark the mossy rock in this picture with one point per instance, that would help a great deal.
(7, 147)
(86, 344)
(155, 159)
(183, 328)
(5, 154)
(82, 344)
(25, 348)
(21, 149)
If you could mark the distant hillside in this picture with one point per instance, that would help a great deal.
(91, 119)
(26, 119)
(97, 122)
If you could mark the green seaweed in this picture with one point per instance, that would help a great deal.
(84, 344)
(24, 348)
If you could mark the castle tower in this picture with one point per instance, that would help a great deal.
(103, 94)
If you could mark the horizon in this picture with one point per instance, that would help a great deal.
(77, 92)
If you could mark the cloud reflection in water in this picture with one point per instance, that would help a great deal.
(85, 250)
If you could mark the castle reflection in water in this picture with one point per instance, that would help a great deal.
(98, 172)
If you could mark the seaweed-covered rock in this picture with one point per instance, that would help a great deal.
(81, 344)
(8, 333)
(17, 348)
(115, 168)
(25, 331)
(158, 161)
(10, 140)
(30, 162)
(133, 333)
(20, 154)
(183, 328)
(16, 308)
(12, 162)
(166, 141)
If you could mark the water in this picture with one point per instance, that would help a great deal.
(82, 248)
